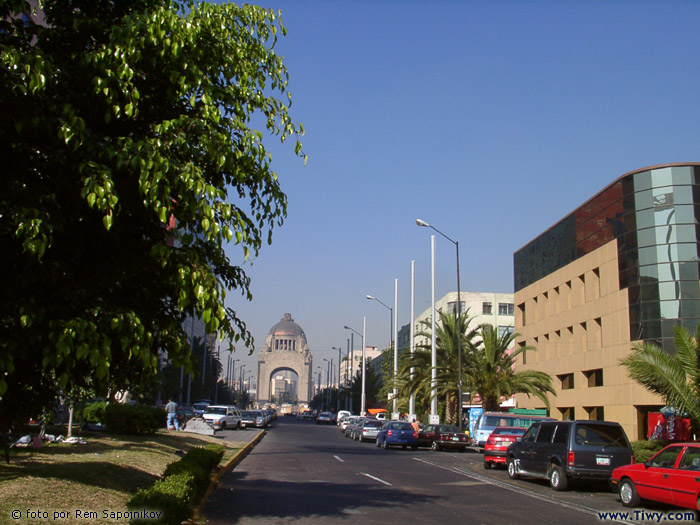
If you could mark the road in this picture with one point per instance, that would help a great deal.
(302, 472)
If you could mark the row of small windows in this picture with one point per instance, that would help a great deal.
(572, 293)
(286, 344)
(586, 336)
(592, 413)
(503, 308)
(593, 378)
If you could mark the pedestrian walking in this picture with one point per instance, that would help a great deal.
(171, 409)
(415, 425)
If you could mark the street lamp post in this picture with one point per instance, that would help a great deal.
(362, 335)
(338, 395)
(393, 343)
(419, 222)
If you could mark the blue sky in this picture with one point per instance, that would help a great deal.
(490, 120)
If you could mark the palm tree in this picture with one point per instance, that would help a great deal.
(447, 369)
(675, 377)
(489, 367)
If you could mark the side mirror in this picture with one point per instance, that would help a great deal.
(518, 439)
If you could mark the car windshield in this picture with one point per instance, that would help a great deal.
(246, 413)
(216, 410)
(600, 435)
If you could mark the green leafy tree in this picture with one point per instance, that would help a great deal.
(447, 332)
(132, 147)
(675, 377)
(489, 367)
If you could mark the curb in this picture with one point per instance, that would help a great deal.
(230, 464)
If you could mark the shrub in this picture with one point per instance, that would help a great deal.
(643, 450)
(182, 485)
(133, 419)
(95, 412)
(174, 495)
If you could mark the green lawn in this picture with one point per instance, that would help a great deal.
(69, 483)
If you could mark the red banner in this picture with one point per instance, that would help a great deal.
(671, 428)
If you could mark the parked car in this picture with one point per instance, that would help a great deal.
(346, 421)
(443, 436)
(222, 417)
(324, 417)
(497, 444)
(351, 425)
(184, 414)
(200, 406)
(254, 418)
(487, 421)
(397, 433)
(671, 476)
(564, 450)
(367, 430)
(342, 415)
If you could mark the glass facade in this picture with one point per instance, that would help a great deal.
(653, 215)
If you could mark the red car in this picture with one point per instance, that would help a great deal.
(671, 476)
(440, 437)
(497, 444)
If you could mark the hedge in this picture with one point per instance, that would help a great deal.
(134, 419)
(181, 487)
(643, 450)
(95, 412)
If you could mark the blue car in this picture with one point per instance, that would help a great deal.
(397, 433)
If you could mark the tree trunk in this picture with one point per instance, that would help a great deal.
(71, 410)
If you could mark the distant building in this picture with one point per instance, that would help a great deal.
(622, 268)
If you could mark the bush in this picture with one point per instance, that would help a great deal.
(95, 412)
(174, 495)
(643, 450)
(182, 485)
(133, 419)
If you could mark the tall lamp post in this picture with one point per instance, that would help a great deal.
(338, 395)
(362, 336)
(393, 344)
(420, 222)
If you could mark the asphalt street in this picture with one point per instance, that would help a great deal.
(302, 472)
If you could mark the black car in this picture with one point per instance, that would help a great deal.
(563, 450)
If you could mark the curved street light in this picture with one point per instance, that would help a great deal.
(364, 360)
(422, 223)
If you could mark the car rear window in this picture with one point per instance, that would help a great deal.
(373, 424)
(600, 435)
(402, 426)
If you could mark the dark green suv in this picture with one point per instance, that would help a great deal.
(563, 450)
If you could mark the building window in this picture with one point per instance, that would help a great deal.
(595, 413)
(567, 381)
(567, 413)
(487, 308)
(506, 309)
(452, 307)
(503, 330)
(594, 377)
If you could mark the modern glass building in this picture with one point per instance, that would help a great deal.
(623, 267)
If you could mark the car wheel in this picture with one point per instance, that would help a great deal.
(414, 447)
(403, 447)
(378, 443)
(385, 445)
(512, 471)
(223, 425)
(435, 446)
(628, 493)
(557, 478)
(488, 465)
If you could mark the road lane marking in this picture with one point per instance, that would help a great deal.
(341, 460)
(376, 478)
(518, 490)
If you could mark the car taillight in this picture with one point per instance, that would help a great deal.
(388, 433)
(570, 459)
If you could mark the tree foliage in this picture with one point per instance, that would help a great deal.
(675, 377)
(121, 121)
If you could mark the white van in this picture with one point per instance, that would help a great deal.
(342, 414)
